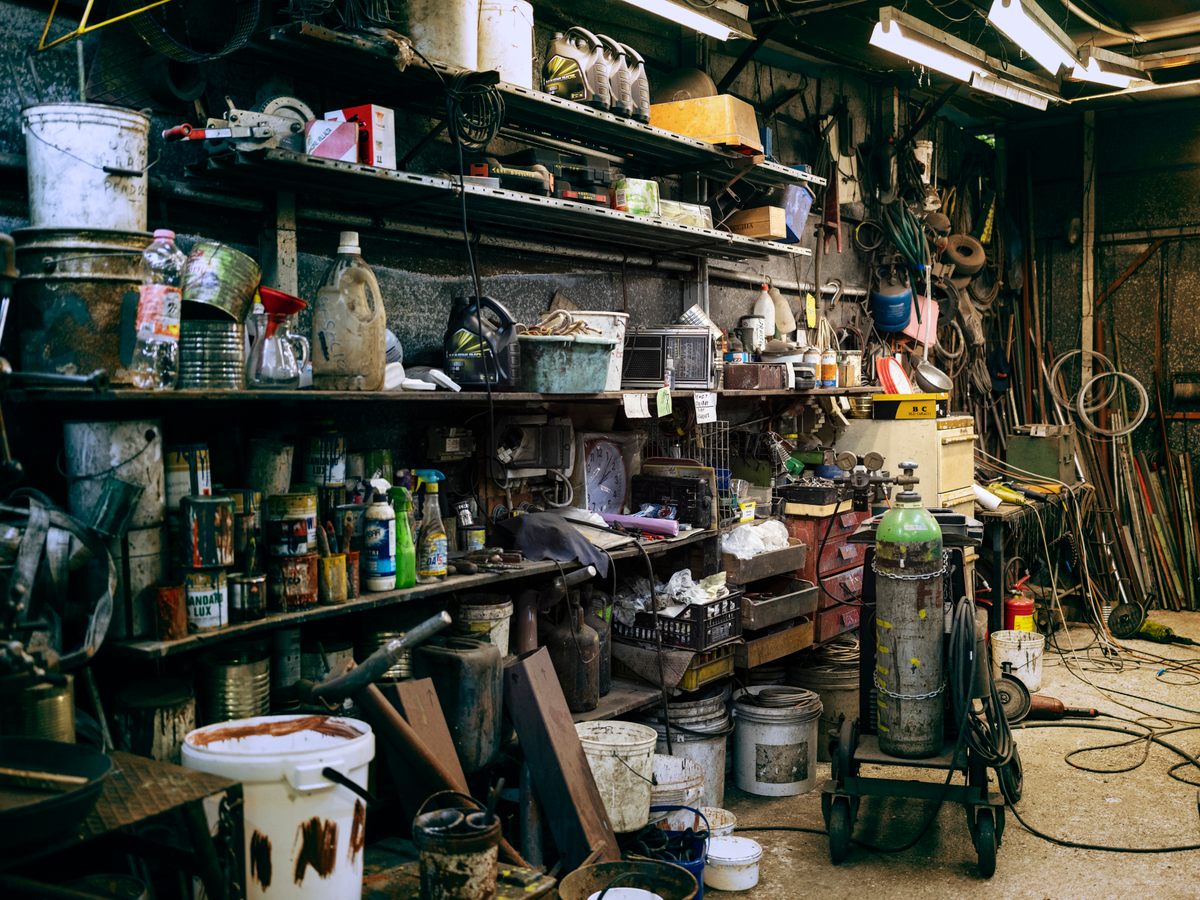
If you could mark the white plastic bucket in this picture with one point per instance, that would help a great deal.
(775, 748)
(678, 781)
(1019, 653)
(620, 755)
(732, 863)
(489, 622)
(611, 325)
(838, 689)
(293, 813)
(721, 822)
(506, 40)
(707, 750)
(446, 32)
(87, 166)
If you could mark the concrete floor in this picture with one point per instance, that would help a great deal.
(1142, 808)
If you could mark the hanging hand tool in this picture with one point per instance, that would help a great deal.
(278, 123)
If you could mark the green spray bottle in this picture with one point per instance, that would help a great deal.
(432, 545)
(406, 551)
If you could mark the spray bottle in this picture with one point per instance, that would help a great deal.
(406, 550)
(379, 546)
(432, 545)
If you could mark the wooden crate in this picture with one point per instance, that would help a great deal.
(761, 650)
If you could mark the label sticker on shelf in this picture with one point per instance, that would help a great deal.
(706, 407)
(637, 406)
(663, 401)
(810, 310)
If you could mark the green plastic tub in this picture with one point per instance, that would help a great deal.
(561, 364)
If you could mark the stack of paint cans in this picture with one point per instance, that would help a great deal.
(248, 586)
(291, 537)
(206, 551)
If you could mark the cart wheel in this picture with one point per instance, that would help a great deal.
(839, 830)
(985, 843)
(826, 806)
(842, 764)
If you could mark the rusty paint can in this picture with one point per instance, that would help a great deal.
(247, 597)
(458, 847)
(358, 512)
(38, 710)
(247, 526)
(292, 582)
(325, 460)
(270, 468)
(352, 583)
(331, 574)
(206, 530)
(207, 599)
(291, 524)
(329, 498)
(170, 604)
(153, 717)
(285, 668)
(188, 471)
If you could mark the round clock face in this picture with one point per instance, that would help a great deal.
(604, 477)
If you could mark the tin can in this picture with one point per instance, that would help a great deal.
(247, 597)
(207, 599)
(206, 532)
(329, 498)
(352, 583)
(188, 471)
(325, 459)
(285, 668)
(291, 524)
(472, 537)
(359, 513)
(331, 571)
(247, 525)
(292, 583)
(270, 469)
(170, 605)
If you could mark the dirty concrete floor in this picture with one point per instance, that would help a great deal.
(1141, 808)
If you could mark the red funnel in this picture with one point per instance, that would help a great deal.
(278, 302)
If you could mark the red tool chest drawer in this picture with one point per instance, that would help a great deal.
(837, 555)
(844, 586)
(836, 618)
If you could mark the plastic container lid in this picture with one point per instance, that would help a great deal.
(733, 850)
(348, 242)
(166, 233)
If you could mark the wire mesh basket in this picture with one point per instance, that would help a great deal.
(707, 444)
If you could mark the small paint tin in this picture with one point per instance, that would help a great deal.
(188, 471)
(472, 537)
(292, 583)
(207, 600)
(291, 524)
(325, 460)
(206, 532)
(247, 597)
(331, 572)
(171, 607)
(352, 584)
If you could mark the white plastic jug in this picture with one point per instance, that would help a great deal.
(349, 343)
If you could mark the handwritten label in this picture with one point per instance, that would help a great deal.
(637, 406)
(706, 407)
(663, 401)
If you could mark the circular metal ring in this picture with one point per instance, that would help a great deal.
(1143, 405)
(1065, 402)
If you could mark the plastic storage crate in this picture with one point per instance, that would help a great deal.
(699, 627)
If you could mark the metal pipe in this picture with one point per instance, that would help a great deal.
(795, 287)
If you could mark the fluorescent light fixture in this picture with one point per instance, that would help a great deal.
(1008, 90)
(690, 17)
(912, 39)
(1027, 26)
(1105, 67)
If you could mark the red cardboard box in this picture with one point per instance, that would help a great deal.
(332, 140)
(378, 147)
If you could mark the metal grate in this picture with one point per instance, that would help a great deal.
(708, 444)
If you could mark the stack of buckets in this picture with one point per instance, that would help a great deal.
(699, 728)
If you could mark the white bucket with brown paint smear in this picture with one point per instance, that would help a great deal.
(304, 834)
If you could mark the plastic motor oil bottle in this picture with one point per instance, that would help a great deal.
(576, 69)
(481, 343)
(619, 86)
(432, 543)
(639, 83)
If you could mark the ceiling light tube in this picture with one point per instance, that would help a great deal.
(689, 17)
(1105, 67)
(1027, 26)
(1008, 90)
(913, 40)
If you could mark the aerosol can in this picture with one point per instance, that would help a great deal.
(576, 69)
(909, 626)
(639, 83)
(619, 87)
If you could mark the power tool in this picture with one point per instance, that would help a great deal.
(584, 179)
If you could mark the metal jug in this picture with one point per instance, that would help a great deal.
(277, 354)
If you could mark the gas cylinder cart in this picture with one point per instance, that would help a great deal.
(927, 699)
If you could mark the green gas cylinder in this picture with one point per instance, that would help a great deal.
(909, 627)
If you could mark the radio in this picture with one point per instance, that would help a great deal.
(689, 347)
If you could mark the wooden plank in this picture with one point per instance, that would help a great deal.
(759, 651)
(561, 775)
(417, 701)
(625, 697)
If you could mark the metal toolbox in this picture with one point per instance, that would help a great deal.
(780, 599)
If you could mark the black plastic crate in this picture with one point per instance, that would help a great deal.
(699, 627)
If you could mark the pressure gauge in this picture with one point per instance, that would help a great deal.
(846, 460)
(873, 461)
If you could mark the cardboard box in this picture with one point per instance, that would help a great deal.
(766, 222)
(378, 147)
(635, 195)
(909, 406)
(331, 140)
(722, 120)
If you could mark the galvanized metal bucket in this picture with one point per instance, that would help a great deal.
(212, 355)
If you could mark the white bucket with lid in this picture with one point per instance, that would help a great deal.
(621, 755)
(87, 166)
(732, 863)
(678, 781)
(506, 40)
(1019, 653)
(775, 746)
(611, 326)
(304, 834)
(488, 621)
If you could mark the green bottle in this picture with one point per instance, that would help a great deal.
(406, 551)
